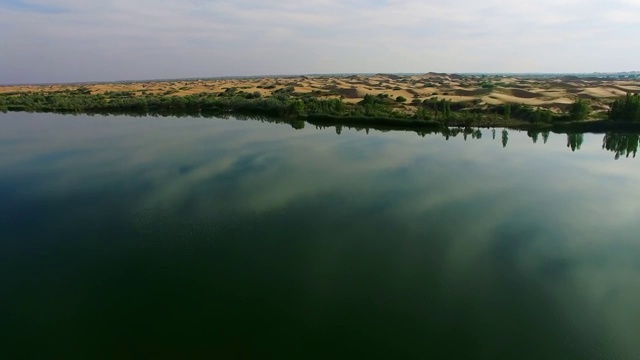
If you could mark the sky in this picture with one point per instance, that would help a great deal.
(48, 41)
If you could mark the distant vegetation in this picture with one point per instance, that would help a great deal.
(373, 112)
(285, 103)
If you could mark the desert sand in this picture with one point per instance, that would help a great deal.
(553, 93)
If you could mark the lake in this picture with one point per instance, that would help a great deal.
(131, 237)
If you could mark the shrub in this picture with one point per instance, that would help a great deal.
(579, 110)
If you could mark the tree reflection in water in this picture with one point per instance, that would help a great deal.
(621, 144)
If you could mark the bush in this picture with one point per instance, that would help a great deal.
(579, 110)
(401, 99)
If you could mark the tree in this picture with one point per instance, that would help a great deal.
(295, 107)
(433, 104)
(368, 99)
(545, 136)
(626, 109)
(422, 114)
(536, 116)
(621, 144)
(401, 99)
(579, 110)
(446, 108)
(505, 138)
(574, 141)
(546, 116)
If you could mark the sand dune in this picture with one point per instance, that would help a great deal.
(604, 92)
(548, 93)
(475, 92)
(626, 88)
(519, 93)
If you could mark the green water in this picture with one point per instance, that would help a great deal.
(208, 238)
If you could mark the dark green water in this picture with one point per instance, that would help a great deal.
(207, 238)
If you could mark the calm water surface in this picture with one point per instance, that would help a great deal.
(163, 237)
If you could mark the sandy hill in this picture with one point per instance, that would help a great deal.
(552, 93)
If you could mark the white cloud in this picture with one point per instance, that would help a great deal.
(119, 39)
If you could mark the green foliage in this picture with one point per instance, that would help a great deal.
(579, 110)
(621, 144)
(545, 136)
(282, 103)
(505, 138)
(523, 112)
(422, 114)
(574, 141)
(445, 108)
(401, 99)
(295, 108)
(380, 99)
(626, 109)
(285, 90)
(380, 106)
(546, 116)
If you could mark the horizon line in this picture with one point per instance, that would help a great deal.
(231, 77)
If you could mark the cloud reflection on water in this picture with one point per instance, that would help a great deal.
(546, 223)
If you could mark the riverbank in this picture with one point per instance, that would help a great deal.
(377, 109)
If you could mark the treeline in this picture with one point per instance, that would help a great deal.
(125, 103)
(377, 112)
(280, 104)
(284, 103)
(626, 109)
(470, 112)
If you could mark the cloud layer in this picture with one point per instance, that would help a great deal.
(72, 40)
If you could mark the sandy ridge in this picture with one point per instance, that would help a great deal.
(551, 93)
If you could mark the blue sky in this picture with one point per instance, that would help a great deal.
(74, 40)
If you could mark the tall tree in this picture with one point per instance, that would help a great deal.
(505, 138)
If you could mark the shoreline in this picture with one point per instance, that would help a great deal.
(378, 123)
(428, 101)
